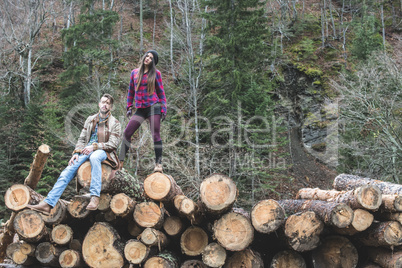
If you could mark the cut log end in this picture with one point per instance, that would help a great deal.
(247, 258)
(234, 231)
(148, 214)
(29, 225)
(218, 192)
(70, 259)
(267, 216)
(341, 216)
(173, 225)
(157, 186)
(135, 251)
(288, 259)
(369, 197)
(335, 251)
(214, 255)
(62, 234)
(193, 241)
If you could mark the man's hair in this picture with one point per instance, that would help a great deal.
(110, 98)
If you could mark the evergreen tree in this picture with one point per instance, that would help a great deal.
(90, 46)
(237, 89)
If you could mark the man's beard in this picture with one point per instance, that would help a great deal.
(104, 112)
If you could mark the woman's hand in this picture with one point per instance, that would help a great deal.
(163, 116)
(129, 113)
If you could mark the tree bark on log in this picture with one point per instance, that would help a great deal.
(161, 187)
(387, 234)
(385, 258)
(62, 234)
(362, 219)
(345, 182)
(78, 206)
(233, 231)
(152, 237)
(58, 214)
(18, 196)
(173, 226)
(71, 259)
(267, 216)
(335, 251)
(21, 253)
(37, 166)
(391, 203)
(188, 208)
(122, 205)
(288, 259)
(303, 230)
(30, 226)
(193, 241)
(102, 237)
(364, 197)
(164, 259)
(218, 194)
(137, 252)
(193, 264)
(76, 244)
(214, 255)
(149, 214)
(335, 214)
(245, 258)
(5, 240)
(48, 254)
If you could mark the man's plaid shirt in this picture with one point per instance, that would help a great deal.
(142, 98)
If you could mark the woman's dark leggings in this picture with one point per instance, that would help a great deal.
(132, 126)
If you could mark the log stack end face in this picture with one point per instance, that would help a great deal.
(369, 196)
(17, 197)
(267, 216)
(218, 192)
(29, 225)
(193, 241)
(341, 216)
(233, 231)
(157, 186)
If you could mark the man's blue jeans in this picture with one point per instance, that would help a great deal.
(96, 157)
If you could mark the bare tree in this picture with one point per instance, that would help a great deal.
(370, 113)
(20, 25)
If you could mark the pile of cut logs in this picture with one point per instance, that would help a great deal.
(151, 223)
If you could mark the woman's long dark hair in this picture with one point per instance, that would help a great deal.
(151, 76)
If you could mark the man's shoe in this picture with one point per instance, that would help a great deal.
(158, 168)
(42, 207)
(93, 205)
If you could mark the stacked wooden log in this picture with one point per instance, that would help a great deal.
(152, 223)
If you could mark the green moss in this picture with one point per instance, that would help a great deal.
(318, 82)
(312, 72)
(320, 147)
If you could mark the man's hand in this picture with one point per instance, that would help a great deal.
(74, 158)
(87, 150)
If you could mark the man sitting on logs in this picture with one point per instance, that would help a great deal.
(98, 142)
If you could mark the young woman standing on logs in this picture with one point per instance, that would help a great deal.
(147, 95)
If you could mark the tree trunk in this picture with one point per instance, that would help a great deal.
(188, 208)
(214, 255)
(148, 214)
(335, 214)
(350, 182)
(161, 187)
(122, 205)
(77, 206)
(288, 259)
(233, 231)
(193, 241)
(102, 246)
(37, 166)
(58, 214)
(218, 194)
(384, 257)
(267, 216)
(245, 258)
(163, 260)
(48, 254)
(71, 259)
(23, 259)
(133, 228)
(104, 201)
(136, 252)
(152, 237)
(18, 196)
(193, 264)
(303, 230)
(335, 251)
(76, 244)
(113, 182)
(380, 234)
(173, 226)
(61, 234)
(30, 226)
(365, 197)
(362, 219)
(391, 203)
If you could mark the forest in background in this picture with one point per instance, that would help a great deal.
(223, 65)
